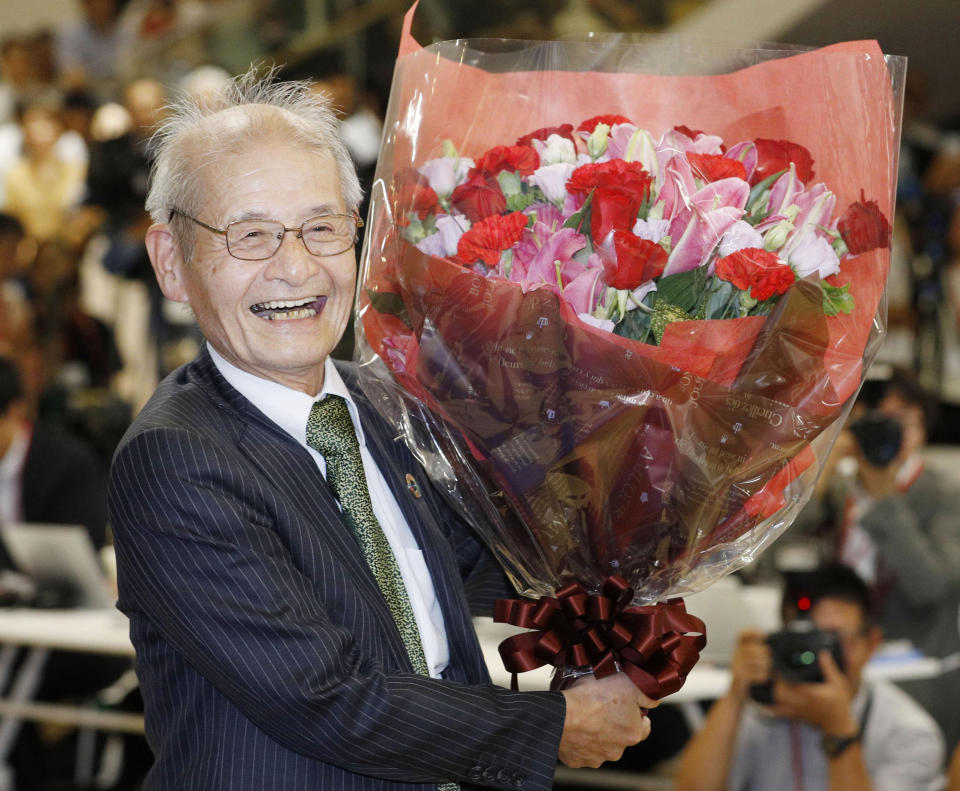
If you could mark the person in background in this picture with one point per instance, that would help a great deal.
(43, 185)
(297, 605)
(884, 512)
(839, 734)
(91, 53)
(47, 477)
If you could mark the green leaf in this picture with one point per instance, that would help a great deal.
(389, 303)
(720, 300)
(756, 210)
(635, 325)
(519, 201)
(683, 289)
(837, 299)
(510, 183)
(577, 220)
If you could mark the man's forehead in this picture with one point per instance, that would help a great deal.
(830, 612)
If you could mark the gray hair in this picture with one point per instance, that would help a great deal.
(191, 140)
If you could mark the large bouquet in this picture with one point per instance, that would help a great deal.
(620, 316)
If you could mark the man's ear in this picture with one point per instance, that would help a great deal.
(167, 262)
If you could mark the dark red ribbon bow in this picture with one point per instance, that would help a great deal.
(656, 645)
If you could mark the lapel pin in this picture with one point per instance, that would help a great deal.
(412, 486)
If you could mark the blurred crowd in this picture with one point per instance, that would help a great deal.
(81, 313)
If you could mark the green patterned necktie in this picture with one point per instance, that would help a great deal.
(330, 432)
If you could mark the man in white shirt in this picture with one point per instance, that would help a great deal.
(838, 734)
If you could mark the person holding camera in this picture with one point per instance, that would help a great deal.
(829, 730)
(885, 513)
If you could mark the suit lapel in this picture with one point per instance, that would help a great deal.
(291, 471)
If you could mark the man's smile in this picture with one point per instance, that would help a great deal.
(289, 309)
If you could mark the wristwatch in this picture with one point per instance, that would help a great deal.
(834, 746)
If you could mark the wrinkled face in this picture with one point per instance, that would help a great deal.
(278, 318)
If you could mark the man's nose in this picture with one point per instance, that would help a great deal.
(292, 262)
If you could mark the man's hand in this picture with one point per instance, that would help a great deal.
(751, 663)
(604, 717)
(824, 705)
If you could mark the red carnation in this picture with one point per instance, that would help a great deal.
(564, 130)
(479, 197)
(638, 260)
(615, 174)
(776, 155)
(760, 271)
(590, 124)
(713, 167)
(521, 159)
(419, 198)
(490, 237)
(767, 282)
(863, 226)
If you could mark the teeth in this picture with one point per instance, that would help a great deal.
(303, 313)
(279, 304)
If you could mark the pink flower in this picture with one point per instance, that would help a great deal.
(585, 289)
(652, 230)
(545, 256)
(813, 253)
(552, 180)
(445, 173)
(697, 228)
(739, 236)
(443, 243)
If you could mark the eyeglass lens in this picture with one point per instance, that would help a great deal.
(324, 235)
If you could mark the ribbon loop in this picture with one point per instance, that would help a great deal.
(656, 645)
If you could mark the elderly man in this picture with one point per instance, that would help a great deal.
(299, 613)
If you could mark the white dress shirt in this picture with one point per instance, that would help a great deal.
(290, 409)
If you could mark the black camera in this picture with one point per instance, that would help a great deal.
(795, 652)
(878, 436)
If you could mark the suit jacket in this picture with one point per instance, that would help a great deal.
(267, 656)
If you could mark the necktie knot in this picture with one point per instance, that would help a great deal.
(330, 429)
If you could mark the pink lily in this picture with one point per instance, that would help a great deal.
(545, 257)
(816, 210)
(584, 291)
(746, 152)
(709, 213)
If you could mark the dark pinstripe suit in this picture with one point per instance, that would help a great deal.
(267, 657)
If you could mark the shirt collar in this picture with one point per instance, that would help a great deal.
(286, 407)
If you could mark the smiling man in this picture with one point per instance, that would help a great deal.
(298, 610)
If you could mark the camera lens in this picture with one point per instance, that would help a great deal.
(804, 658)
(878, 436)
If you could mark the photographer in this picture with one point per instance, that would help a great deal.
(894, 520)
(838, 733)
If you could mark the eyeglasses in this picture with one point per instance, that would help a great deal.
(255, 240)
